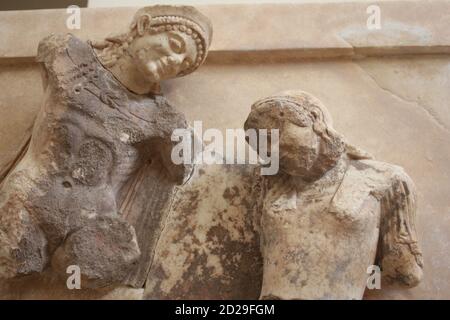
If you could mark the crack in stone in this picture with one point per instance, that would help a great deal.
(351, 46)
(430, 113)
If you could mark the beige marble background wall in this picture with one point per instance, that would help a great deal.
(396, 107)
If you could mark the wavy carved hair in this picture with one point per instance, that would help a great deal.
(302, 109)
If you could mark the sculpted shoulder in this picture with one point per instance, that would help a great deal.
(54, 44)
(386, 173)
(64, 58)
(49, 45)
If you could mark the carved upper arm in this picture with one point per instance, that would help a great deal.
(399, 254)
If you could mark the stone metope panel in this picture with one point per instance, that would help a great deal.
(396, 108)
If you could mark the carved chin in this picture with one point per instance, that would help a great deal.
(151, 73)
(294, 166)
(153, 76)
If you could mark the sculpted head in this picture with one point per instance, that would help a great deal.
(163, 42)
(308, 145)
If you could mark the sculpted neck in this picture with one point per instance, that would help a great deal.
(330, 177)
(130, 77)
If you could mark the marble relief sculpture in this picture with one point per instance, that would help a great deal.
(332, 210)
(92, 185)
(95, 184)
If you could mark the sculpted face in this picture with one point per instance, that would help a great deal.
(299, 149)
(308, 145)
(163, 55)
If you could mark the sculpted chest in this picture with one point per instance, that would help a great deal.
(318, 243)
(344, 203)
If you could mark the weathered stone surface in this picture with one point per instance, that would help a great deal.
(331, 211)
(209, 248)
(182, 267)
(364, 104)
(49, 286)
(392, 107)
(62, 183)
(368, 107)
(90, 188)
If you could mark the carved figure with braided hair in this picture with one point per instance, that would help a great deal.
(332, 211)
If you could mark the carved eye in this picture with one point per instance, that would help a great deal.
(177, 45)
(315, 114)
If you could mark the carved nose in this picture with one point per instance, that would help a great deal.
(176, 59)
